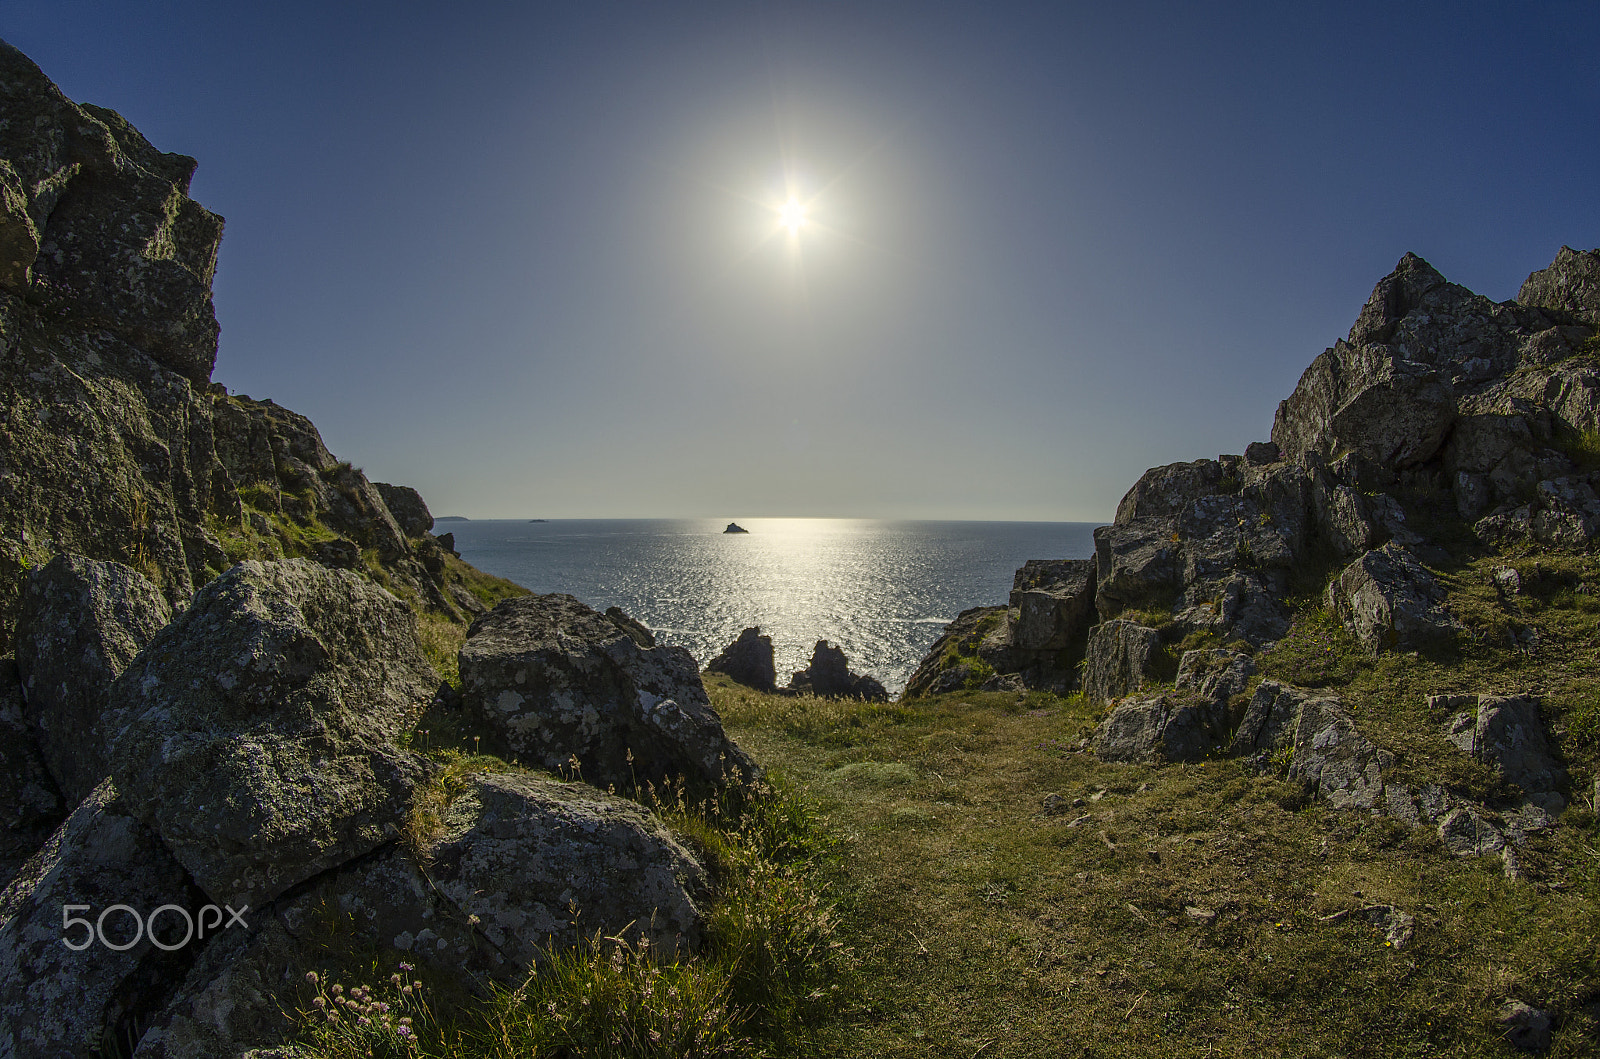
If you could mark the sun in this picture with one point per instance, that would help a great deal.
(793, 215)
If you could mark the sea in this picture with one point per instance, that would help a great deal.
(881, 590)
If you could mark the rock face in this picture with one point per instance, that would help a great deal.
(522, 853)
(410, 513)
(1054, 603)
(748, 661)
(1121, 655)
(828, 675)
(58, 995)
(964, 655)
(256, 731)
(553, 680)
(82, 622)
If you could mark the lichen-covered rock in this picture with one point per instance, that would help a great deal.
(31, 805)
(1564, 513)
(977, 633)
(1571, 284)
(60, 989)
(1164, 492)
(1389, 602)
(410, 512)
(256, 732)
(1170, 727)
(1053, 603)
(1215, 674)
(1121, 655)
(748, 661)
(1344, 767)
(828, 675)
(552, 680)
(1138, 564)
(543, 864)
(82, 622)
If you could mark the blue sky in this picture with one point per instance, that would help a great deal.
(526, 257)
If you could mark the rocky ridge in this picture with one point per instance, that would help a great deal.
(1443, 423)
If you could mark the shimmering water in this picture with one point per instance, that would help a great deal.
(881, 590)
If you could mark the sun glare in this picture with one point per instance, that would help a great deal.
(793, 215)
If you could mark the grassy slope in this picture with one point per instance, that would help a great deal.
(1186, 910)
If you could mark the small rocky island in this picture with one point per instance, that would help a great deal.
(734, 527)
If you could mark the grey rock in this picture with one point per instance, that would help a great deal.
(1331, 757)
(748, 661)
(256, 732)
(410, 512)
(82, 621)
(1570, 283)
(543, 863)
(1261, 453)
(828, 675)
(553, 680)
(1272, 717)
(1163, 492)
(1524, 1026)
(339, 554)
(976, 632)
(1508, 735)
(59, 1000)
(1168, 727)
(1389, 602)
(1053, 601)
(31, 805)
(1138, 564)
(1398, 927)
(1121, 656)
(1467, 832)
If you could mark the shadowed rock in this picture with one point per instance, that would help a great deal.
(1121, 655)
(553, 680)
(1053, 602)
(31, 805)
(410, 513)
(828, 675)
(1153, 728)
(1389, 602)
(748, 661)
(82, 622)
(257, 731)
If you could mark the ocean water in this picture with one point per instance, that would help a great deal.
(883, 591)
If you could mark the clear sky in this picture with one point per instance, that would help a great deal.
(529, 257)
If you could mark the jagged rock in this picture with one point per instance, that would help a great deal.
(256, 732)
(1216, 675)
(1170, 727)
(978, 633)
(1054, 603)
(553, 680)
(1261, 453)
(1571, 284)
(60, 992)
(748, 661)
(111, 218)
(1164, 492)
(31, 805)
(1390, 603)
(543, 863)
(1138, 564)
(828, 676)
(1331, 757)
(1508, 735)
(410, 513)
(82, 621)
(1121, 654)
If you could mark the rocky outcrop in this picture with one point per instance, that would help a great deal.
(1389, 602)
(82, 622)
(1052, 603)
(1508, 735)
(410, 512)
(555, 682)
(828, 676)
(64, 986)
(542, 864)
(964, 655)
(1167, 727)
(256, 733)
(748, 661)
(1570, 285)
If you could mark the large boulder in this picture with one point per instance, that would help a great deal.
(256, 732)
(1570, 284)
(1138, 564)
(64, 987)
(1507, 734)
(82, 622)
(828, 675)
(1389, 602)
(1122, 655)
(30, 802)
(1324, 749)
(543, 864)
(1166, 727)
(552, 681)
(1052, 603)
(748, 661)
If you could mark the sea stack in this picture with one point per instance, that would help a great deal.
(734, 527)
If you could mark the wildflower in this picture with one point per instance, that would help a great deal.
(417, 984)
(320, 1002)
(405, 967)
(311, 976)
(407, 990)
(404, 1031)
(338, 989)
(363, 1021)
